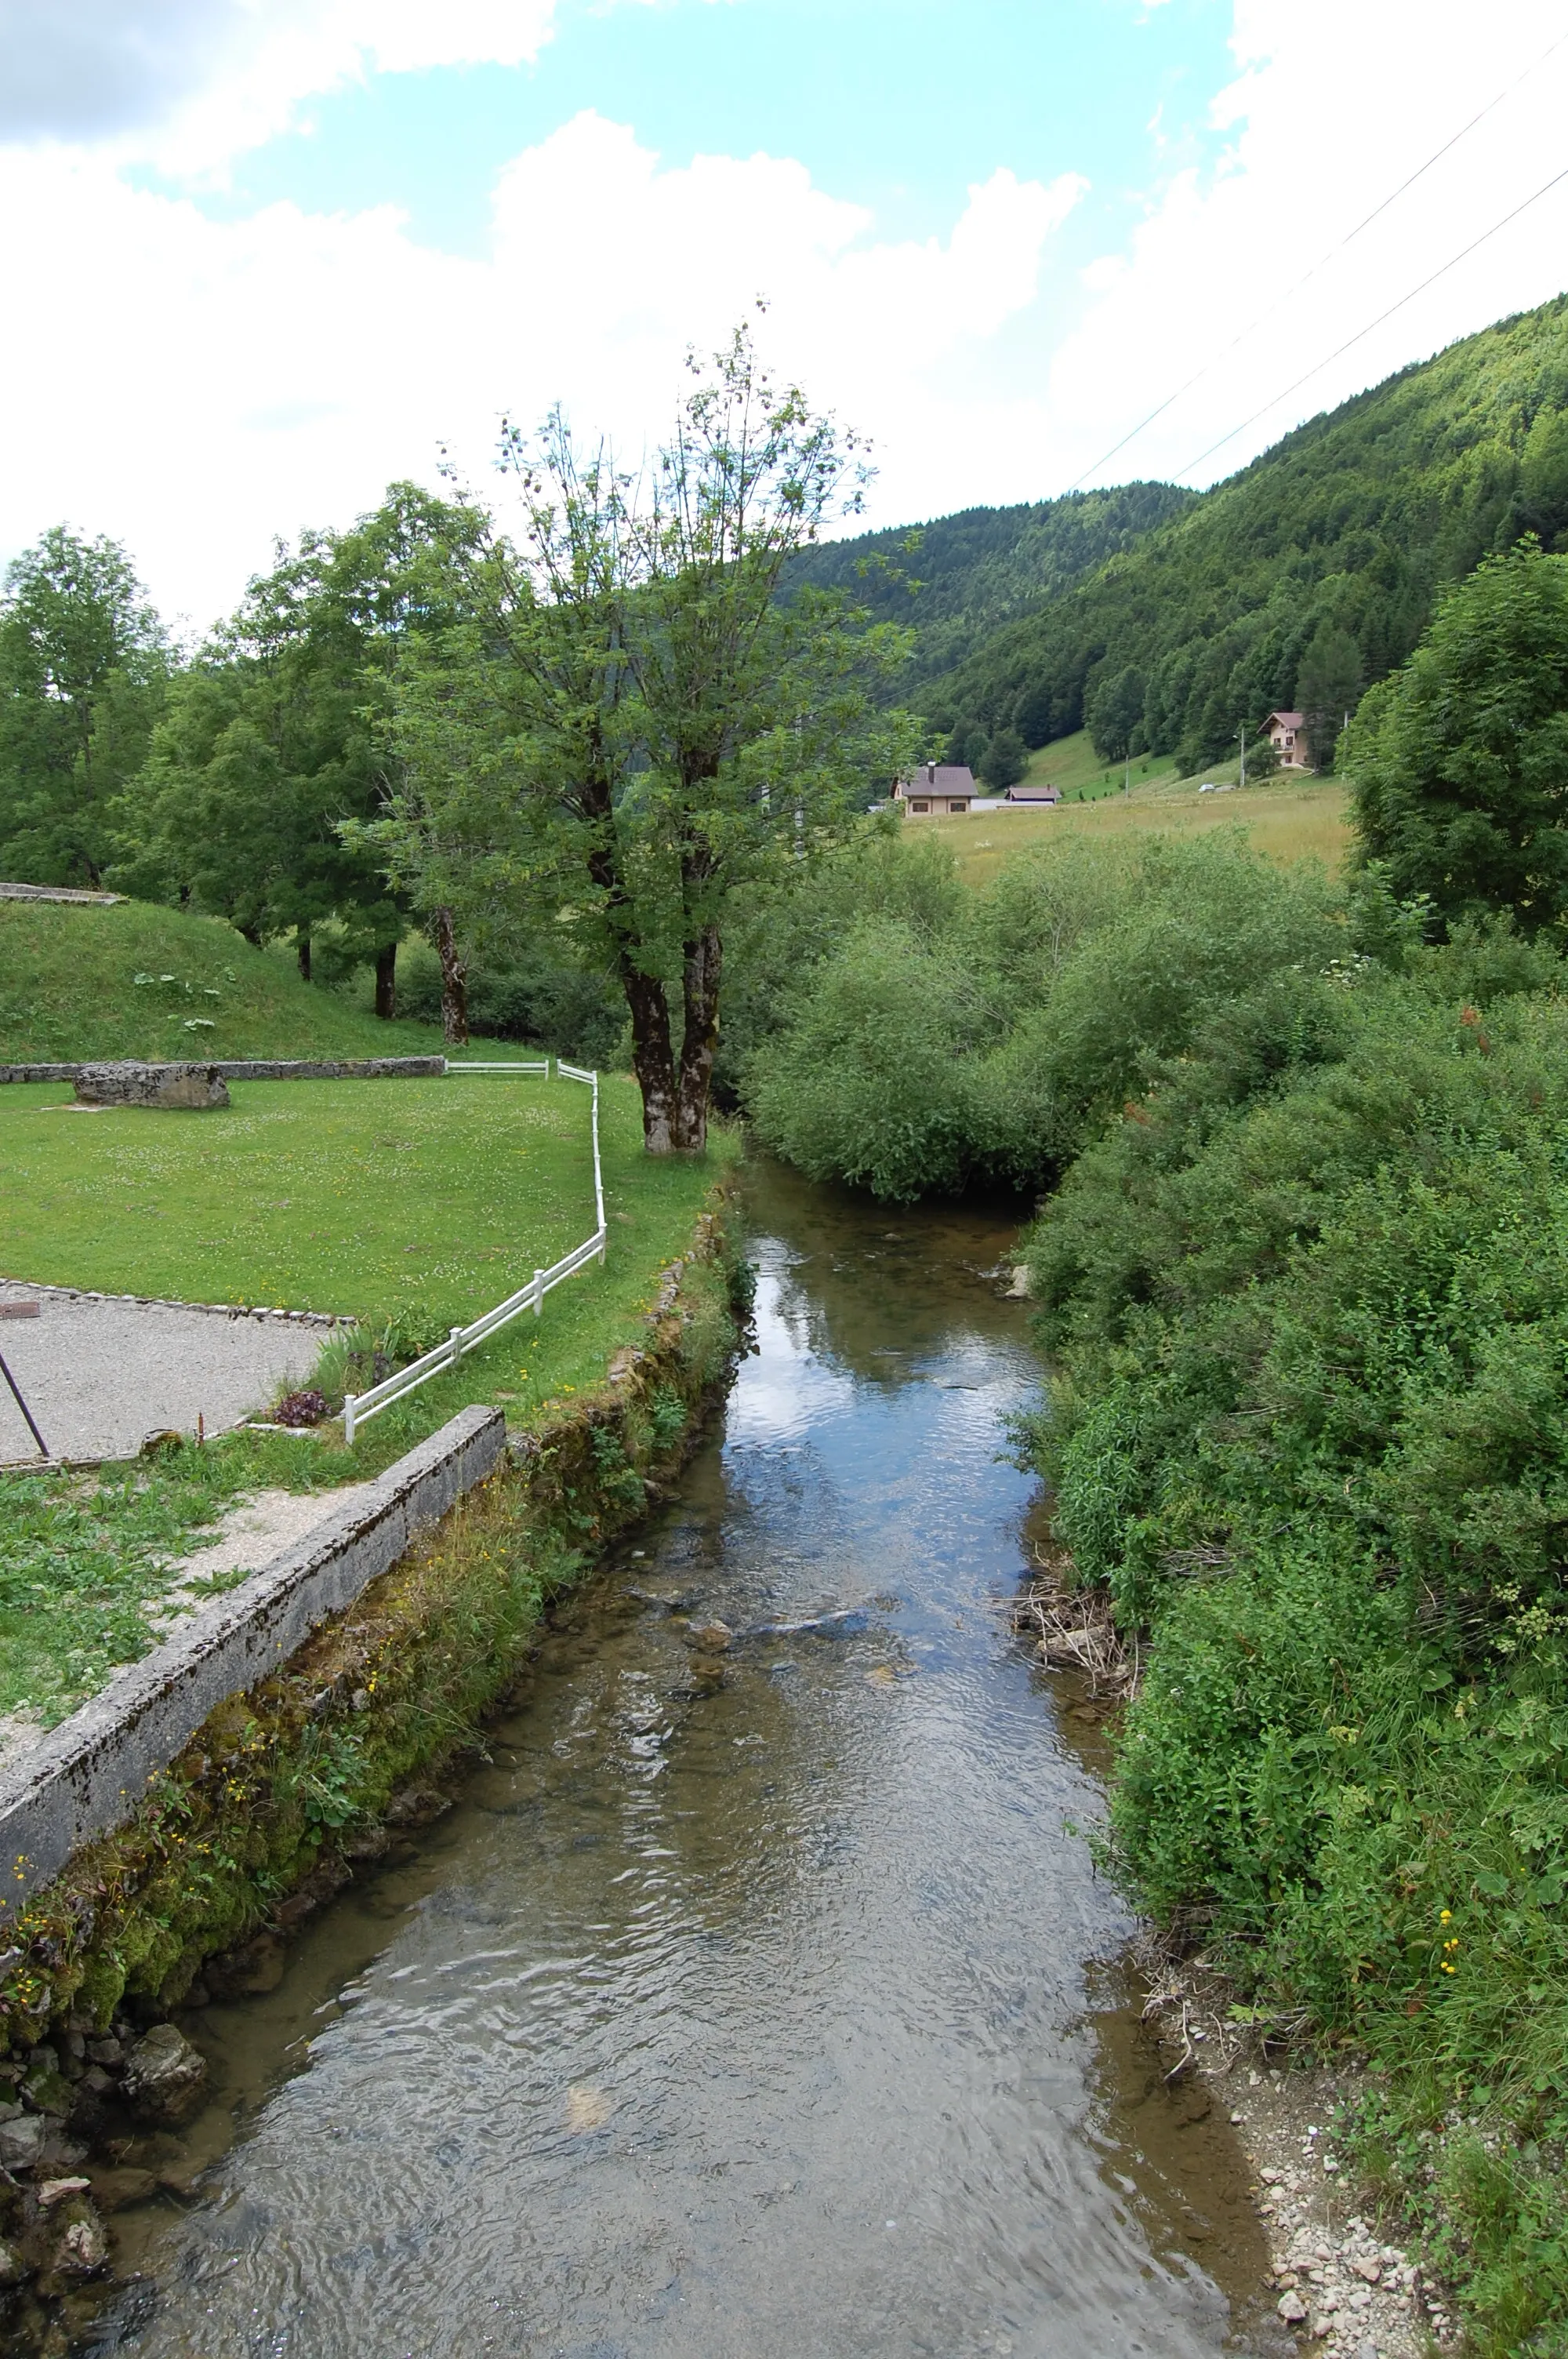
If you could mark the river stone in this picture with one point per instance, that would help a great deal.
(21, 2141)
(1292, 2309)
(163, 2076)
(192, 1087)
(83, 2249)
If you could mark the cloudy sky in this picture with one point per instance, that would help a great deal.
(262, 256)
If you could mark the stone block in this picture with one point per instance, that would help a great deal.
(188, 1087)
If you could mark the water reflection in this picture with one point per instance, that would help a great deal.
(739, 2009)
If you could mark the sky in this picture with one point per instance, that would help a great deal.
(263, 256)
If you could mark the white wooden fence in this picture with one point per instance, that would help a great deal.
(360, 1407)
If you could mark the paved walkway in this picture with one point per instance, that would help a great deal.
(101, 1375)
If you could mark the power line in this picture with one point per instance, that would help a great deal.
(1321, 263)
(1318, 366)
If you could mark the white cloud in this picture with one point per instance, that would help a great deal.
(1335, 103)
(194, 387)
(189, 83)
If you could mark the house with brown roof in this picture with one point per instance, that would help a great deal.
(1032, 794)
(936, 790)
(1286, 731)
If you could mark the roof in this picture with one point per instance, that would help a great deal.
(1032, 794)
(1287, 720)
(950, 779)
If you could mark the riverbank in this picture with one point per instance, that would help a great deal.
(286, 1792)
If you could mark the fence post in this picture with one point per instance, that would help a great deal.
(348, 1420)
(538, 1292)
(455, 1345)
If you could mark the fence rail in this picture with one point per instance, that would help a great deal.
(359, 1408)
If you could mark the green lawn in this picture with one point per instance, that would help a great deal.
(1076, 771)
(425, 1200)
(308, 1195)
(140, 981)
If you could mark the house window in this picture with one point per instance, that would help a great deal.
(959, 807)
(920, 807)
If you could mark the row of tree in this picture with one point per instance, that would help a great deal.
(604, 719)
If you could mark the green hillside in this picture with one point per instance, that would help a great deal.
(974, 571)
(1330, 549)
(138, 981)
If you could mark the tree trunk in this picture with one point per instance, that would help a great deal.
(387, 981)
(653, 1058)
(703, 961)
(454, 981)
(302, 951)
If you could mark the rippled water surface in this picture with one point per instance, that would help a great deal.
(745, 2006)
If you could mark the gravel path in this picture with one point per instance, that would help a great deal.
(101, 1373)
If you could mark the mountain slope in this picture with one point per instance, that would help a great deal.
(1328, 550)
(984, 567)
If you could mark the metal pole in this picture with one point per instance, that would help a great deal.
(27, 1412)
(1244, 752)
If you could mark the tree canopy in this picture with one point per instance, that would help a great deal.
(629, 723)
(83, 661)
(1460, 761)
(277, 736)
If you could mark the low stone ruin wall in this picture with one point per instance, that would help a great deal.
(250, 1069)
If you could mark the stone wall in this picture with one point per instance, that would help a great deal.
(90, 1774)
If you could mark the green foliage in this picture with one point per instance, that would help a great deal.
(1328, 688)
(959, 579)
(83, 661)
(1113, 713)
(1462, 758)
(1004, 761)
(141, 980)
(629, 726)
(1306, 1305)
(992, 1036)
(277, 735)
(1351, 525)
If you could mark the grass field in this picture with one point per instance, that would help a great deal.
(139, 981)
(1287, 820)
(425, 1200)
(1076, 771)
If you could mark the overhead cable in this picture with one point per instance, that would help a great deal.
(1321, 263)
(1318, 366)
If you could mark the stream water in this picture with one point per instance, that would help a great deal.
(755, 2001)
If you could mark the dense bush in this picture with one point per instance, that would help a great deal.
(988, 1034)
(1306, 1303)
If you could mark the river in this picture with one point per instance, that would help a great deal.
(755, 2001)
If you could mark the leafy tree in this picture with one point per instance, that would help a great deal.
(1461, 759)
(277, 737)
(1328, 687)
(1114, 710)
(84, 663)
(630, 724)
(1004, 761)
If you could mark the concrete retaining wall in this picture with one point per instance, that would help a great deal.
(89, 1773)
(262, 1068)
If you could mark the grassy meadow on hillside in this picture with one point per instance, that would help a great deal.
(78, 982)
(1286, 818)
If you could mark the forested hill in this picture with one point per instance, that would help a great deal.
(972, 573)
(1299, 581)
